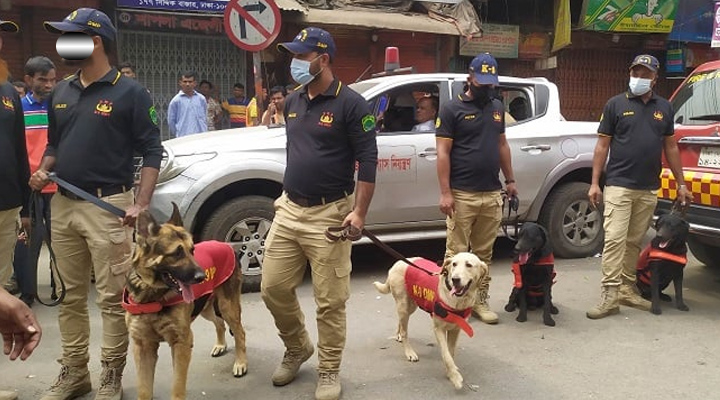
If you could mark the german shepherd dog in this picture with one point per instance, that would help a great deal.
(663, 261)
(534, 272)
(164, 269)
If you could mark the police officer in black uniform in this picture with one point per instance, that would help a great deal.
(97, 119)
(329, 129)
(14, 169)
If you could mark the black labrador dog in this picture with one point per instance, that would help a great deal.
(663, 261)
(534, 270)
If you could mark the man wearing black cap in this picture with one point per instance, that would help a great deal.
(329, 129)
(97, 119)
(635, 128)
(472, 149)
(14, 167)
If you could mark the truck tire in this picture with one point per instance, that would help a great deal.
(575, 228)
(705, 253)
(244, 223)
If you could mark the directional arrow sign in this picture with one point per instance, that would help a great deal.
(252, 24)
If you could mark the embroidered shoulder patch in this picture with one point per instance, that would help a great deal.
(153, 115)
(368, 123)
(437, 122)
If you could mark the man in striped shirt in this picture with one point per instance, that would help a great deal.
(40, 78)
(236, 107)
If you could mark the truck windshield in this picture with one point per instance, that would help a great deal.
(698, 101)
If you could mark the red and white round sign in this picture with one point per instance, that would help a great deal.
(252, 25)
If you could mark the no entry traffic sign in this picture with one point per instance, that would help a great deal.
(252, 24)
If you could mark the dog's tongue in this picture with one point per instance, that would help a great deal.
(523, 258)
(187, 293)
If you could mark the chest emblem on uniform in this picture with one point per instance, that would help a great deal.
(104, 108)
(628, 113)
(326, 119)
(469, 117)
(658, 115)
(60, 106)
(496, 116)
(8, 104)
(292, 115)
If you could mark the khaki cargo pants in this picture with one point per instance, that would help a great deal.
(297, 236)
(85, 236)
(474, 225)
(627, 215)
(8, 238)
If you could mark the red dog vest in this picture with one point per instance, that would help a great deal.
(217, 259)
(422, 286)
(652, 254)
(537, 289)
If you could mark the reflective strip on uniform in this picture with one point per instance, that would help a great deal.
(705, 187)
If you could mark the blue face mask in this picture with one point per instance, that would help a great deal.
(300, 71)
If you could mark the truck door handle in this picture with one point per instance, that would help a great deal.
(429, 152)
(536, 147)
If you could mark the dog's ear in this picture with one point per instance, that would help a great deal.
(146, 225)
(175, 218)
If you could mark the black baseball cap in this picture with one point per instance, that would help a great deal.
(309, 40)
(86, 20)
(647, 61)
(485, 69)
(9, 26)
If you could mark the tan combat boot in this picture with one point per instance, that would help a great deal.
(110, 382)
(481, 308)
(72, 382)
(630, 296)
(8, 395)
(328, 386)
(608, 304)
(291, 362)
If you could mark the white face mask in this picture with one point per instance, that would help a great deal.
(640, 86)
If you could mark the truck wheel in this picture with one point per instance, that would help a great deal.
(244, 223)
(705, 253)
(575, 228)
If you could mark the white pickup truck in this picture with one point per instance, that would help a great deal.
(225, 181)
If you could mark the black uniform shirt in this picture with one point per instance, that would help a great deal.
(325, 137)
(475, 157)
(94, 131)
(14, 167)
(638, 131)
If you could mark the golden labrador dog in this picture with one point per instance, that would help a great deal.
(171, 282)
(447, 293)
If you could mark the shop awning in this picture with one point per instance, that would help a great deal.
(413, 22)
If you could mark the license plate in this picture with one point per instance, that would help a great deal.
(709, 157)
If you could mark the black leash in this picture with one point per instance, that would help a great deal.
(37, 220)
(352, 233)
(512, 203)
(86, 196)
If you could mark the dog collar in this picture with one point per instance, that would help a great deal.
(656, 254)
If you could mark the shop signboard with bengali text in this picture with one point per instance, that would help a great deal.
(502, 41)
(641, 16)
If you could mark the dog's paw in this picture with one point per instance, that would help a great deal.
(218, 350)
(510, 307)
(521, 318)
(656, 310)
(456, 379)
(666, 298)
(554, 310)
(411, 356)
(239, 369)
(683, 307)
(548, 321)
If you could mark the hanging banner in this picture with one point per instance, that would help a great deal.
(693, 21)
(643, 16)
(562, 25)
(501, 41)
(716, 27)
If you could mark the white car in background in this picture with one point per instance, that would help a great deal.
(225, 182)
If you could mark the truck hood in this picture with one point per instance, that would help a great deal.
(228, 140)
